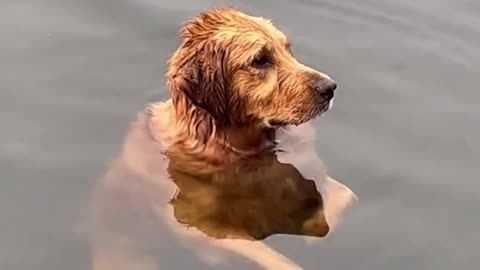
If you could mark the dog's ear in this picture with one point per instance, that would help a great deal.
(199, 70)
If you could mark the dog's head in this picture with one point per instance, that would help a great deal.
(240, 70)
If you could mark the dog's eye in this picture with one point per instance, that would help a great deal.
(262, 61)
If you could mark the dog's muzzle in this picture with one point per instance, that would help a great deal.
(326, 88)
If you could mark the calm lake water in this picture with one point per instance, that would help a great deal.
(403, 132)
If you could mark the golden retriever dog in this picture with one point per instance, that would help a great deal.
(227, 161)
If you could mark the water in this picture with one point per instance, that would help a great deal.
(403, 132)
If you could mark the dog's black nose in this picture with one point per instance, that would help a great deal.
(326, 88)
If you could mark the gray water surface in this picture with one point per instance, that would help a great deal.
(403, 132)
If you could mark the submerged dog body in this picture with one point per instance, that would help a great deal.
(235, 85)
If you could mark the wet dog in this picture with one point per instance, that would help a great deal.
(232, 143)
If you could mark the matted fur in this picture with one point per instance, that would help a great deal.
(234, 83)
(235, 75)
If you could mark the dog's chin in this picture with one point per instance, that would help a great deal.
(277, 123)
(316, 111)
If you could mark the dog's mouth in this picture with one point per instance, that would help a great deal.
(330, 103)
(315, 112)
(277, 123)
(323, 107)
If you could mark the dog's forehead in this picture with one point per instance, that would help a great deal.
(225, 24)
(265, 27)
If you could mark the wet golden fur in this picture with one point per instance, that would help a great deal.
(234, 85)
(234, 81)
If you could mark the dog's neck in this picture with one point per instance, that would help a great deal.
(197, 133)
(246, 140)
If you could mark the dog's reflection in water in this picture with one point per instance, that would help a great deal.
(224, 144)
(252, 199)
(161, 211)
